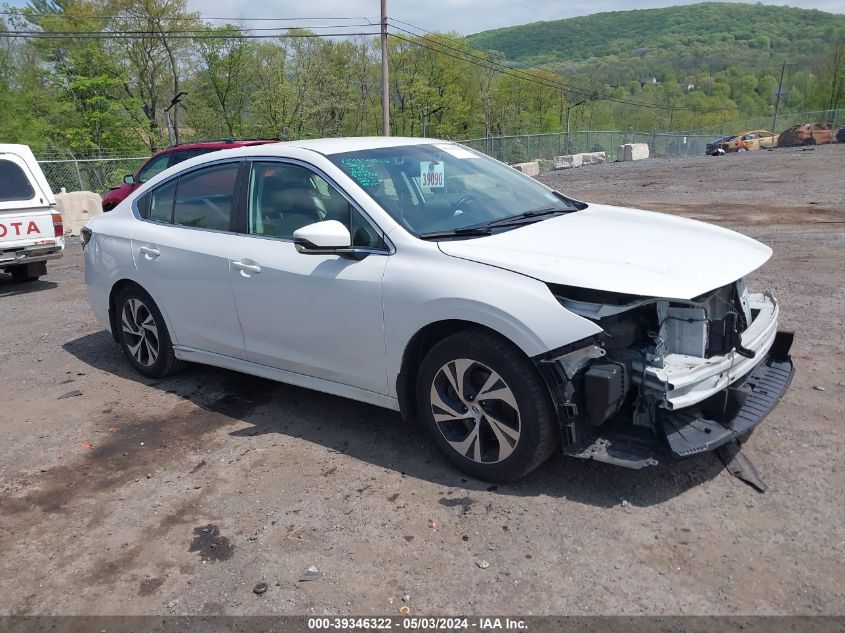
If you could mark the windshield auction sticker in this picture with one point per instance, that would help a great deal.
(432, 174)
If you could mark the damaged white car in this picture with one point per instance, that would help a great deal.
(419, 275)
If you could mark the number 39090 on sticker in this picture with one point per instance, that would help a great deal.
(432, 174)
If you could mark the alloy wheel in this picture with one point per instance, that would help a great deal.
(475, 410)
(140, 332)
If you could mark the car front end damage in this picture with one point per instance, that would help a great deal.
(666, 378)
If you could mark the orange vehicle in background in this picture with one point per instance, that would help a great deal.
(751, 140)
(808, 134)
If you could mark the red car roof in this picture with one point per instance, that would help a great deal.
(224, 144)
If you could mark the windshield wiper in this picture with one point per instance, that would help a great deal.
(525, 215)
(487, 227)
(482, 229)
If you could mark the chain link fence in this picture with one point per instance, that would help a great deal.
(784, 121)
(524, 147)
(89, 174)
(107, 168)
(98, 174)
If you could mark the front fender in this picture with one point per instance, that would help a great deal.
(519, 308)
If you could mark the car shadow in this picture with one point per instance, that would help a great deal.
(380, 437)
(9, 288)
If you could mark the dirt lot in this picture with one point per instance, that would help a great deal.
(179, 495)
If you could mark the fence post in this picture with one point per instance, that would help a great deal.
(78, 172)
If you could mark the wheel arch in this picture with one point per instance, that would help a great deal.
(119, 286)
(418, 346)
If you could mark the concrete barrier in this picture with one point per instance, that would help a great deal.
(530, 169)
(632, 151)
(570, 161)
(593, 158)
(77, 207)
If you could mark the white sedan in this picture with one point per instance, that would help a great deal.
(422, 276)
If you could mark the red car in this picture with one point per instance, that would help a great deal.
(168, 157)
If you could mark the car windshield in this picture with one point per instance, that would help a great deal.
(445, 188)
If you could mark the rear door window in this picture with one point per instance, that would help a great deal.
(14, 185)
(161, 202)
(205, 197)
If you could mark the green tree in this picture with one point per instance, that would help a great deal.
(225, 77)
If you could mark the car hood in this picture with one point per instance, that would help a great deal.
(118, 193)
(620, 250)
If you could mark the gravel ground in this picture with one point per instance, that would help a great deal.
(180, 495)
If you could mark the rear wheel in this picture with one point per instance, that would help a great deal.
(143, 334)
(27, 272)
(20, 275)
(483, 404)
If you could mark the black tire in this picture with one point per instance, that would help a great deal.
(810, 141)
(537, 428)
(21, 274)
(165, 361)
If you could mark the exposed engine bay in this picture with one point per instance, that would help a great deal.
(669, 369)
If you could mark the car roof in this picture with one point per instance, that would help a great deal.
(358, 143)
(324, 146)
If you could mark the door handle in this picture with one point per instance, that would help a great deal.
(150, 252)
(247, 266)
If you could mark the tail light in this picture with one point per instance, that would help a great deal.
(58, 226)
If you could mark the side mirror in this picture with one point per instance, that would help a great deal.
(321, 238)
(129, 179)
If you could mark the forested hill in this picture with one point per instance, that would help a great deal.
(688, 37)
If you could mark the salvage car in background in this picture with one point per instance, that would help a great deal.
(714, 148)
(808, 134)
(168, 157)
(421, 276)
(751, 140)
(31, 229)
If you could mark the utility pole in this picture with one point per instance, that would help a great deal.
(385, 88)
(777, 101)
(568, 110)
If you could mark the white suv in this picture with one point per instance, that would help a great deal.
(421, 276)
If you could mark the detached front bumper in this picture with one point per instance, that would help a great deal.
(727, 415)
(699, 404)
(735, 411)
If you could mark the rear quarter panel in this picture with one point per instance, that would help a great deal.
(108, 259)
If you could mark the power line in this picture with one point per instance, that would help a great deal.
(179, 36)
(197, 31)
(173, 17)
(486, 62)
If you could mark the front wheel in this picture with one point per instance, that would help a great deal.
(483, 404)
(143, 334)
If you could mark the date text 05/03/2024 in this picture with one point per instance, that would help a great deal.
(419, 623)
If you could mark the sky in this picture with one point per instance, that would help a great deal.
(462, 16)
